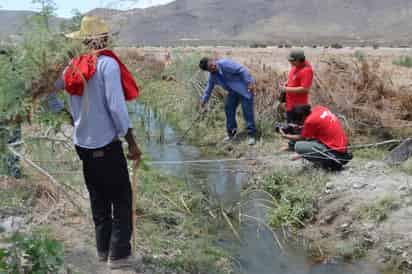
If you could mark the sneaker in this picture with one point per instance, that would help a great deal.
(230, 136)
(251, 141)
(128, 262)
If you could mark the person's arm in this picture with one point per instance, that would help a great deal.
(56, 105)
(235, 68)
(292, 137)
(116, 103)
(208, 91)
(296, 89)
(305, 83)
(134, 150)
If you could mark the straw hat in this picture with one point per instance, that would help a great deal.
(91, 27)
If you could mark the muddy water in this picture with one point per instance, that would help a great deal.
(258, 252)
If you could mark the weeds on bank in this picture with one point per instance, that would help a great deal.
(294, 196)
(15, 197)
(34, 253)
(378, 211)
(176, 98)
(370, 153)
(350, 250)
(407, 167)
(175, 224)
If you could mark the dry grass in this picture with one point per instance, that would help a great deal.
(364, 93)
(361, 92)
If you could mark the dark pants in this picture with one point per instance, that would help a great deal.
(107, 180)
(296, 131)
(321, 155)
(231, 104)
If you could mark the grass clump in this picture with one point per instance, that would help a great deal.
(378, 211)
(175, 227)
(370, 153)
(15, 197)
(407, 167)
(33, 253)
(294, 196)
(350, 250)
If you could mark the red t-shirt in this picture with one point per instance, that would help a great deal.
(299, 77)
(323, 126)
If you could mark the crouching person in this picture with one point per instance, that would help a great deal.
(323, 140)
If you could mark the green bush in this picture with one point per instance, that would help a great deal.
(359, 55)
(34, 253)
(404, 61)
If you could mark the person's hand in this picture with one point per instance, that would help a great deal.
(282, 94)
(202, 106)
(252, 88)
(134, 153)
(295, 157)
(282, 133)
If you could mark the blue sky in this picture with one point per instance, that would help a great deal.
(65, 7)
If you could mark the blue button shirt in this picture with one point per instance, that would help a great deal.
(231, 76)
(101, 114)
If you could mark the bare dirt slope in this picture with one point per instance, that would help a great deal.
(264, 20)
(297, 21)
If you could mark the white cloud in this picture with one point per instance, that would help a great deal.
(130, 4)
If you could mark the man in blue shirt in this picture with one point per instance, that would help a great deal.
(237, 80)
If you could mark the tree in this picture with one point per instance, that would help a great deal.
(47, 11)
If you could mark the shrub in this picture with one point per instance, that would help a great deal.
(359, 55)
(258, 45)
(32, 253)
(336, 46)
(404, 61)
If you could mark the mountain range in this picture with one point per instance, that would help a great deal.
(273, 21)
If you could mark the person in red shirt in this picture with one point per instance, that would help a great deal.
(322, 139)
(296, 90)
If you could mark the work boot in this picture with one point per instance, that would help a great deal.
(102, 256)
(130, 261)
(251, 141)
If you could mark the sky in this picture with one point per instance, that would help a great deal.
(65, 7)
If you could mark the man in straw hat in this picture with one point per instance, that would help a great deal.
(99, 85)
(296, 91)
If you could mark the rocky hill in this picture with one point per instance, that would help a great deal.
(299, 21)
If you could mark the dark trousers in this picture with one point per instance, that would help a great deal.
(232, 102)
(321, 155)
(107, 180)
(297, 131)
